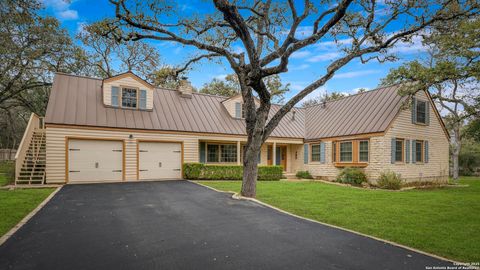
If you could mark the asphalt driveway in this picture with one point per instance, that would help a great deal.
(181, 225)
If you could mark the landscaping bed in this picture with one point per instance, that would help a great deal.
(443, 221)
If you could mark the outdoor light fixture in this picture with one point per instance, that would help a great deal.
(130, 136)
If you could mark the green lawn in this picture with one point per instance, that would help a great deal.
(16, 204)
(443, 221)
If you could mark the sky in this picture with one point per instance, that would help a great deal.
(304, 67)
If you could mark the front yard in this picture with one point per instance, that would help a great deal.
(443, 221)
(16, 204)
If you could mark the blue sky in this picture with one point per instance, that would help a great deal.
(304, 67)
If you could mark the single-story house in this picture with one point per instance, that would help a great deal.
(124, 129)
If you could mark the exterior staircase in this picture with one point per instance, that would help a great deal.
(31, 154)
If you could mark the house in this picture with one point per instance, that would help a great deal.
(124, 129)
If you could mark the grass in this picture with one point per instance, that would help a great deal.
(6, 172)
(443, 221)
(16, 204)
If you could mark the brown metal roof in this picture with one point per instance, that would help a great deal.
(76, 100)
(366, 112)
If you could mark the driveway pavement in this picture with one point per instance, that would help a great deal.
(181, 225)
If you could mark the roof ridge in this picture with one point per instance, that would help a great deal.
(353, 95)
(79, 76)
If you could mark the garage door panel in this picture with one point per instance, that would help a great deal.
(160, 160)
(95, 160)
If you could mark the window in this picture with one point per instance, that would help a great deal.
(363, 151)
(221, 153)
(421, 109)
(228, 153)
(399, 150)
(242, 108)
(212, 153)
(346, 153)
(315, 152)
(129, 97)
(419, 151)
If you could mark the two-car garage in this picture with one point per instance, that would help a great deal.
(93, 160)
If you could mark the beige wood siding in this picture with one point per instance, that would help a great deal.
(380, 151)
(230, 104)
(125, 81)
(56, 137)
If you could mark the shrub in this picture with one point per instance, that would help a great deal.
(390, 180)
(7, 168)
(304, 175)
(269, 173)
(192, 170)
(201, 171)
(353, 176)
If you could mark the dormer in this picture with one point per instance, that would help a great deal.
(127, 91)
(234, 106)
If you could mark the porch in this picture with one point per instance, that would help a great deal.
(286, 154)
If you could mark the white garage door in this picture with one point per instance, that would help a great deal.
(160, 160)
(94, 161)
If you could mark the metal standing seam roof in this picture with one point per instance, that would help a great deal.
(76, 100)
(367, 112)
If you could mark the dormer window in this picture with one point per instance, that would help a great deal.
(129, 97)
(127, 91)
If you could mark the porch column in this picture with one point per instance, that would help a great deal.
(238, 153)
(274, 153)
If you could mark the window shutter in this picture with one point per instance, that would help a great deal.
(322, 152)
(407, 151)
(143, 99)
(427, 113)
(238, 110)
(114, 96)
(414, 157)
(394, 141)
(426, 151)
(259, 157)
(305, 154)
(202, 152)
(414, 110)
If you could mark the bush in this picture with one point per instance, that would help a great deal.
(353, 176)
(390, 180)
(7, 170)
(199, 171)
(304, 175)
(192, 170)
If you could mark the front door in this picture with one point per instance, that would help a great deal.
(281, 157)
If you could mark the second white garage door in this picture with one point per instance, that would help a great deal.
(159, 160)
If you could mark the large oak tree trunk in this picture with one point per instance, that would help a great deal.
(250, 168)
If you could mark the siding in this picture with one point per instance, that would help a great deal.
(380, 154)
(56, 136)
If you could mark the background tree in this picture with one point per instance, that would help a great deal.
(324, 98)
(32, 48)
(450, 72)
(230, 86)
(110, 57)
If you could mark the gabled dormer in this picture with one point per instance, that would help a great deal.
(127, 91)
(234, 106)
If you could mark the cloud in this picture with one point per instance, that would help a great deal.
(356, 90)
(61, 9)
(316, 94)
(324, 56)
(300, 67)
(81, 27)
(300, 54)
(68, 14)
(414, 46)
(354, 74)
